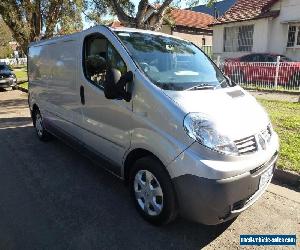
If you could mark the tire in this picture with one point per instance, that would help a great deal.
(14, 86)
(38, 123)
(152, 191)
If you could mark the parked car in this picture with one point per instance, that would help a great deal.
(261, 68)
(161, 114)
(7, 76)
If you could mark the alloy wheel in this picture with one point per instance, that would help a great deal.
(148, 192)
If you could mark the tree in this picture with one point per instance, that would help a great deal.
(5, 38)
(32, 20)
(147, 16)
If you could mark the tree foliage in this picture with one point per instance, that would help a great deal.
(31, 20)
(147, 16)
(5, 38)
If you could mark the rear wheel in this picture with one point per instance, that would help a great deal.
(152, 191)
(41, 132)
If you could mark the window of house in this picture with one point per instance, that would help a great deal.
(239, 38)
(99, 55)
(203, 42)
(293, 36)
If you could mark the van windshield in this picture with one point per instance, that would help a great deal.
(172, 64)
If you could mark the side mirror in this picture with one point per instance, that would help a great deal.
(115, 85)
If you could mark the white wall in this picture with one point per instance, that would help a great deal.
(260, 38)
(195, 38)
(270, 35)
(289, 13)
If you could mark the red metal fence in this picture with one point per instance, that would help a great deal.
(281, 75)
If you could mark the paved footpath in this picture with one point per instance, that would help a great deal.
(53, 198)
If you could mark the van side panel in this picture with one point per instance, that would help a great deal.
(157, 123)
(53, 68)
(38, 75)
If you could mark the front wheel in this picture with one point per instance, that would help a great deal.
(152, 191)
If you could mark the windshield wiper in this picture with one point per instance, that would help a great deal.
(202, 86)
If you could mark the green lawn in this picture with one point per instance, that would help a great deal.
(285, 118)
(21, 74)
(24, 85)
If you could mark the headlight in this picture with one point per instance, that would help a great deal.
(202, 129)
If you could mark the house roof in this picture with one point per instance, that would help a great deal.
(244, 10)
(191, 19)
(220, 7)
(185, 18)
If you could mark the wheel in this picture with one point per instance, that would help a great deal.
(294, 81)
(152, 191)
(41, 132)
(14, 86)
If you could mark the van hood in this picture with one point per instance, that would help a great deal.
(234, 110)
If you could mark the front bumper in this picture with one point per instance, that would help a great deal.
(7, 82)
(213, 202)
(214, 191)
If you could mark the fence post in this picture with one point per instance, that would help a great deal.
(277, 71)
(218, 61)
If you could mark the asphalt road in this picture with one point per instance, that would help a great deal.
(51, 197)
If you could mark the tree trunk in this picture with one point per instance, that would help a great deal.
(153, 22)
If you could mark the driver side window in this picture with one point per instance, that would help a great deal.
(99, 55)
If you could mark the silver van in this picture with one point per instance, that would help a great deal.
(158, 113)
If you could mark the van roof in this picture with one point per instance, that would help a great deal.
(125, 29)
(119, 29)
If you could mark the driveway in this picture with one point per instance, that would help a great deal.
(51, 197)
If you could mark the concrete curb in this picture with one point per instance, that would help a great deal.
(291, 92)
(287, 177)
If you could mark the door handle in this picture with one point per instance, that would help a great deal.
(82, 98)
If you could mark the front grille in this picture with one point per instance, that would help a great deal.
(246, 145)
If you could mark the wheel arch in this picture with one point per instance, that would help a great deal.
(132, 157)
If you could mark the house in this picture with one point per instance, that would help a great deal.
(216, 10)
(258, 26)
(187, 24)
